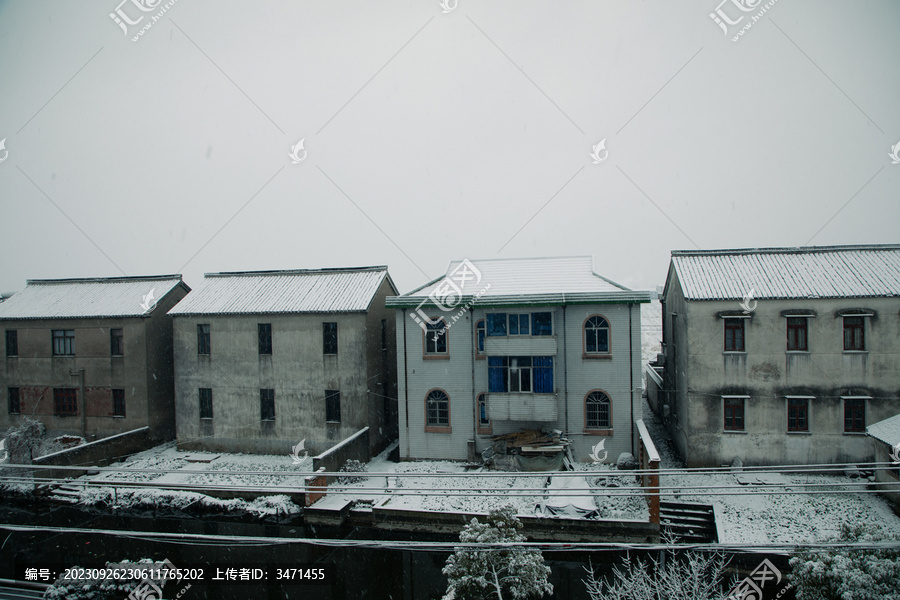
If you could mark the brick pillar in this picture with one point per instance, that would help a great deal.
(316, 487)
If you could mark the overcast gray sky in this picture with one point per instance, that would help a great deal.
(435, 135)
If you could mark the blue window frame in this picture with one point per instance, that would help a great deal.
(541, 323)
(496, 324)
(519, 324)
(520, 374)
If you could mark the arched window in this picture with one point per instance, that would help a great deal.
(437, 410)
(484, 422)
(597, 411)
(480, 332)
(596, 335)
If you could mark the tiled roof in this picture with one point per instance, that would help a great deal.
(295, 291)
(525, 281)
(84, 298)
(772, 273)
(888, 431)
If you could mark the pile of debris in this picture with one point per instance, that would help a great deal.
(529, 450)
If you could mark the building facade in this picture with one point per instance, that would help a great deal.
(267, 359)
(780, 355)
(91, 357)
(499, 346)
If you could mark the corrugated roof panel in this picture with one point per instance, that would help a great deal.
(527, 276)
(82, 298)
(823, 272)
(320, 290)
(888, 431)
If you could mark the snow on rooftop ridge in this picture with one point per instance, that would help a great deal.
(787, 250)
(97, 297)
(773, 273)
(333, 290)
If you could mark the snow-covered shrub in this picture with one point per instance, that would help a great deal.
(494, 572)
(352, 466)
(24, 440)
(689, 576)
(848, 574)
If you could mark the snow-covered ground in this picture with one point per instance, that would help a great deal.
(756, 517)
(529, 494)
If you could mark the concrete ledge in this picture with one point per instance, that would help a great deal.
(99, 453)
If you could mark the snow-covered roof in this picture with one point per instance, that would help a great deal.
(888, 431)
(773, 273)
(88, 298)
(294, 291)
(520, 281)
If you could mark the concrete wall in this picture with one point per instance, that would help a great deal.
(297, 370)
(381, 363)
(144, 372)
(97, 454)
(356, 447)
(889, 475)
(463, 376)
(700, 372)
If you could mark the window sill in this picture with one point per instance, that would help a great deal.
(857, 433)
(596, 356)
(798, 432)
(744, 352)
(480, 356)
(855, 351)
(485, 431)
(796, 351)
(738, 431)
(206, 418)
(436, 356)
(117, 416)
(603, 432)
(433, 429)
(332, 422)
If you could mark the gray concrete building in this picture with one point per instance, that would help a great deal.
(91, 357)
(266, 359)
(499, 346)
(780, 355)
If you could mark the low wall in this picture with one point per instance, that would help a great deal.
(649, 460)
(653, 384)
(355, 447)
(95, 454)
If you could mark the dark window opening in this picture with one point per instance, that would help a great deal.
(118, 403)
(597, 409)
(483, 421)
(264, 331)
(596, 335)
(436, 338)
(14, 404)
(734, 335)
(797, 333)
(520, 374)
(854, 333)
(329, 338)
(116, 342)
(332, 406)
(437, 409)
(267, 405)
(541, 323)
(12, 342)
(734, 413)
(203, 342)
(798, 414)
(206, 403)
(63, 342)
(854, 415)
(480, 333)
(65, 401)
